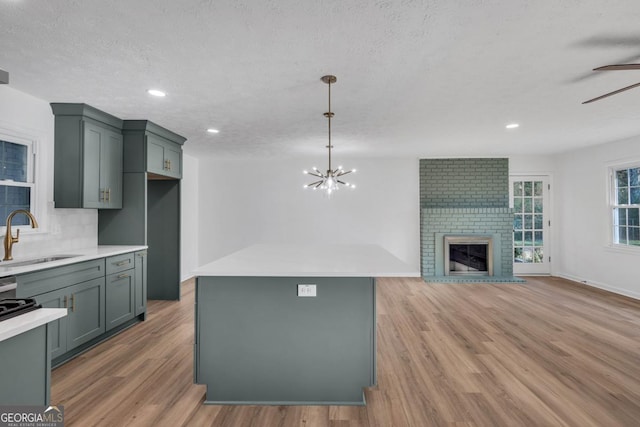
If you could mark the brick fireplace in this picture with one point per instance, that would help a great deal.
(465, 200)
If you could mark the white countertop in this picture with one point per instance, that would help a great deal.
(17, 325)
(79, 255)
(309, 260)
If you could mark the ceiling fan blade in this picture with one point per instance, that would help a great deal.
(618, 67)
(612, 93)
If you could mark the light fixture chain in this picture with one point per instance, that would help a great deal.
(329, 117)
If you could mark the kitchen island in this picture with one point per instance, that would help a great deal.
(290, 324)
(24, 351)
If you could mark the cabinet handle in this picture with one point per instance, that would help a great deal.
(122, 276)
(102, 195)
(121, 263)
(109, 195)
(65, 301)
(169, 161)
(73, 302)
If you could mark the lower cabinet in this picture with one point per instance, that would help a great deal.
(120, 298)
(57, 328)
(94, 306)
(85, 320)
(26, 373)
(85, 304)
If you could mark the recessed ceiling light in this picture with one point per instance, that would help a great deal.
(512, 125)
(156, 92)
(212, 130)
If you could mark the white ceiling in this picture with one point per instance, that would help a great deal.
(418, 78)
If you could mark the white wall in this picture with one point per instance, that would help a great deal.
(229, 204)
(61, 230)
(189, 216)
(243, 202)
(584, 219)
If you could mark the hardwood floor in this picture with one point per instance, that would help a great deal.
(546, 353)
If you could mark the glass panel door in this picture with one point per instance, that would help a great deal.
(530, 202)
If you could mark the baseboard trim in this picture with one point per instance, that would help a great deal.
(187, 277)
(603, 286)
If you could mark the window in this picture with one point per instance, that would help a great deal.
(626, 206)
(16, 178)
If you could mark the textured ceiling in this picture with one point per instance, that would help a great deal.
(418, 78)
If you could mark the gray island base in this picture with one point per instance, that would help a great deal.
(258, 342)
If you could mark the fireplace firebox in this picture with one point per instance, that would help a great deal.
(468, 255)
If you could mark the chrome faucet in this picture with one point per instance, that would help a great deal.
(9, 240)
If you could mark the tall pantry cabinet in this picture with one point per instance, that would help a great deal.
(150, 214)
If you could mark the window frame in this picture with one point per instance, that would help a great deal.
(31, 143)
(613, 205)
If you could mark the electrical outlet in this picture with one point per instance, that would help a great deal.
(306, 290)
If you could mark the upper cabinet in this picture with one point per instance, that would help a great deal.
(164, 157)
(153, 149)
(88, 159)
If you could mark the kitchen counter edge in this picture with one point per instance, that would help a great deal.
(78, 255)
(9, 328)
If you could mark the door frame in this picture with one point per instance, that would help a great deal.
(544, 269)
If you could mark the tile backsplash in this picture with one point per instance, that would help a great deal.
(62, 231)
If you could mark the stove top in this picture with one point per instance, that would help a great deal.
(14, 307)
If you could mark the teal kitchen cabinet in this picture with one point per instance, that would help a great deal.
(88, 160)
(85, 303)
(102, 296)
(120, 292)
(152, 148)
(86, 312)
(164, 157)
(57, 328)
(151, 204)
(141, 282)
(119, 298)
(53, 288)
(26, 370)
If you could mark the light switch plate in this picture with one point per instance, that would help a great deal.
(306, 290)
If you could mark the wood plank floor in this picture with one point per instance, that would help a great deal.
(546, 353)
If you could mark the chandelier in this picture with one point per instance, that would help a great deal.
(331, 180)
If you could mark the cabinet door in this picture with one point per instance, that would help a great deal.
(141, 282)
(111, 170)
(92, 192)
(119, 298)
(57, 328)
(102, 168)
(173, 161)
(155, 155)
(164, 157)
(86, 312)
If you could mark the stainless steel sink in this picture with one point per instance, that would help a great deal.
(36, 261)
